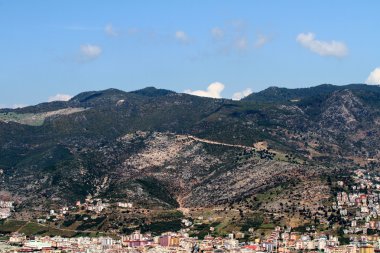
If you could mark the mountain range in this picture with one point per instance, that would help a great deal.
(161, 149)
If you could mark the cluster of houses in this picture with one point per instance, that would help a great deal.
(280, 240)
(93, 205)
(98, 205)
(356, 209)
(6, 208)
(359, 206)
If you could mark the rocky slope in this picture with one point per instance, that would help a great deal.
(160, 149)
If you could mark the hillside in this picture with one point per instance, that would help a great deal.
(161, 149)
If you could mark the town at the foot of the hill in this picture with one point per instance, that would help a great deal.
(280, 240)
(352, 225)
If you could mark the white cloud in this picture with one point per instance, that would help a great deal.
(374, 77)
(261, 40)
(214, 90)
(241, 43)
(324, 48)
(182, 37)
(90, 52)
(241, 94)
(59, 97)
(14, 106)
(217, 33)
(111, 31)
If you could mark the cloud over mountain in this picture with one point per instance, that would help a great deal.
(214, 90)
(59, 97)
(241, 94)
(323, 48)
(374, 77)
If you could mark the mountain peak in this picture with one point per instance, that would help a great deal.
(152, 92)
(91, 96)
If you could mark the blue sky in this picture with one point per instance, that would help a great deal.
(55, 49)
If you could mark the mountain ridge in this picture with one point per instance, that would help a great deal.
(146, 146)
(280, 94)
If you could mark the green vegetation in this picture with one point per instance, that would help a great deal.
(201, 230)
(157, 190)
(31, 228)
(162, 226)
(68, 223)
(91, 224)
(9, 226)
(34, 229)
(170, 214)
(302, 228)
(252, 222)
